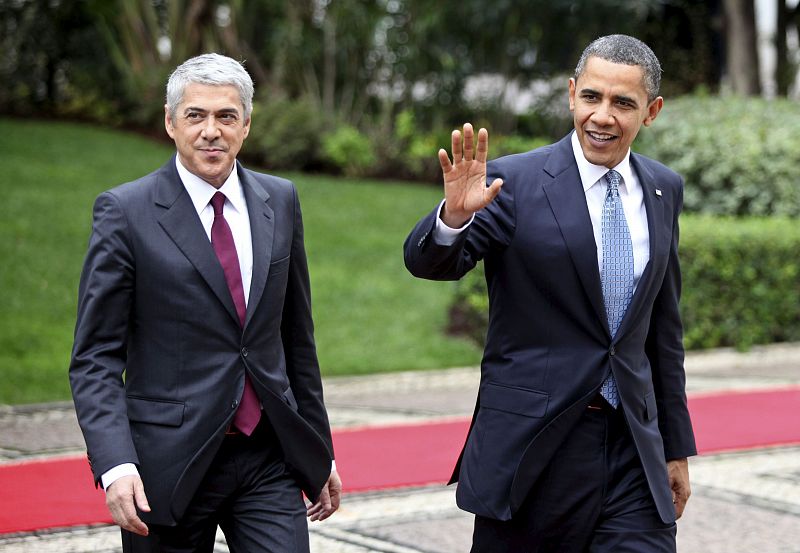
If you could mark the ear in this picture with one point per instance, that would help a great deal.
(246, 127)
(168, 122)
(652, 110)
(572, 86)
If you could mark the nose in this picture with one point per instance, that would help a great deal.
(603, 115)
(210, 129)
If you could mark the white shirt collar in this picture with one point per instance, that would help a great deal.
(591, 173)
(201, 192)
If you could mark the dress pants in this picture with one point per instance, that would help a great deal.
(592, 497)
(248, 493)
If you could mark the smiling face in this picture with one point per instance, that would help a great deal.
(208, 129)
(609, 105)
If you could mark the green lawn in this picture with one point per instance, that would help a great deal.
(371, 315)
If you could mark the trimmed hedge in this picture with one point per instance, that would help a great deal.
(741, 284)
(738, 156)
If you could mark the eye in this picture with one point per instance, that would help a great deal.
(193, 116)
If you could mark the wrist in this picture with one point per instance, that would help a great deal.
(454, 219)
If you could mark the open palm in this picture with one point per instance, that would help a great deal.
(465, 189)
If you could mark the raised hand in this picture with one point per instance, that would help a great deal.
(465, 189)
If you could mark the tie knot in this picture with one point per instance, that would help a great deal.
(217, 201)
(613, 178)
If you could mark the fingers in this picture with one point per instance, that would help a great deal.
(140, 497)
(320, 509)
(468, 142)
(483, 146)
(455, 144)
(444, 161)
(466, 150)
(493, 190)
(120, 498)
(329, 499)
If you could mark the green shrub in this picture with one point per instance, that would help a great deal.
(741, 281)
(349, 150)
(741, 284)
(285, 134)
(505, 145)
(739, 156)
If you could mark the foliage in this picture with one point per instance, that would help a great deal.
(349, 150)
(506, 145)
(741, 281)
(741, 284)
(370, 314)
(738, 156)
(360, 62)
(285, 134)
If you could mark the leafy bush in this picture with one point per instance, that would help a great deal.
(739, 156)
(285, 134)
(505, 145)
(349, 150)
(741, 281)
(741, 284)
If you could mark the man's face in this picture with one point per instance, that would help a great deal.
(609, 105)
(208, 130)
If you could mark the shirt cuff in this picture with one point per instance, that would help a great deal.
(333, 465)
(114, 474)
(444, 235)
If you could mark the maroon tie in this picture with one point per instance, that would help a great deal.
(249, 412)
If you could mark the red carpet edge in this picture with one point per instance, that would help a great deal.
(58, 492)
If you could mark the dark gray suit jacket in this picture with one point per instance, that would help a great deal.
(154, 304)
(548, 347)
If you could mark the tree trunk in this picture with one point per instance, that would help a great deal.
(741, 51)
(783, 68)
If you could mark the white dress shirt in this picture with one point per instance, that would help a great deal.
(594, 186)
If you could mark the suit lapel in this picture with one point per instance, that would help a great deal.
(181, 223)
(655, 219)
(262, 229)
(568, 202)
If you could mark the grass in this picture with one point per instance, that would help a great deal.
(370, 314)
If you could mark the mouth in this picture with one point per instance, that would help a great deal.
(601, 137)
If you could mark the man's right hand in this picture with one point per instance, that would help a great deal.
(465, 190)
(123, 496)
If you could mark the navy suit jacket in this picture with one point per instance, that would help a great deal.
(154, 304)
(548, 346)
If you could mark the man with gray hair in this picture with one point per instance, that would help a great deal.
(195, 287)
(581, 432)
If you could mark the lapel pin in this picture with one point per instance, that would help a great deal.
(658, 192)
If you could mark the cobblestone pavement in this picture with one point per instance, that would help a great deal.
(742, 502)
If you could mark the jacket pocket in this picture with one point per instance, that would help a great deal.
(155, 411)
(511, 399)
(279, 266)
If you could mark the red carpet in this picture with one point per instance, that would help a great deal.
(59, 492)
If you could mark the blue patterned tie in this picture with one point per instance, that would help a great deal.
(617, 273)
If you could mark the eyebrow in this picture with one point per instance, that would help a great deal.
(188, 109)
(618, 97)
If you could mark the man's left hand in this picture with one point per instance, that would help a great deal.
(329, 499)
(678, 471)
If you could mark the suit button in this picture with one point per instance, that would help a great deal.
(244, 352)
(612, 352)
(234, 403)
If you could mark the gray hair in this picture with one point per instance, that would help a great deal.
(209, 69)
(626, 50)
